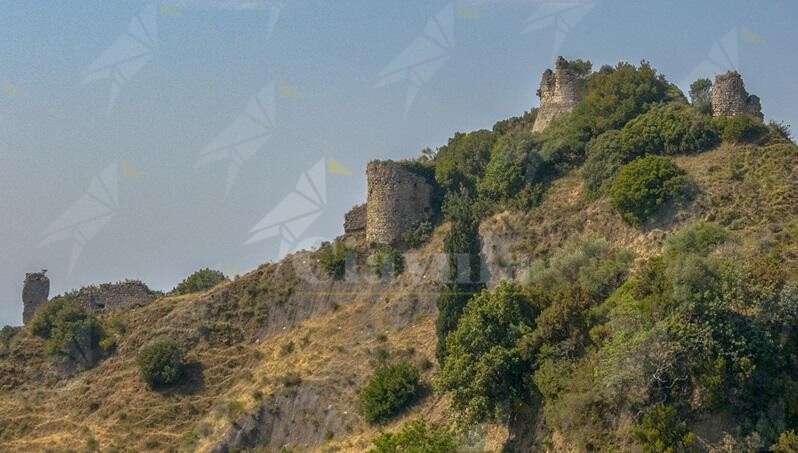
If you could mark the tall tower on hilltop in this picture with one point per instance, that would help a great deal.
(560, 91)
(35, 291)
(730, 98)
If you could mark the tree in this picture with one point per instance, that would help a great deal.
(699, 95)
(69, 331)
(484, 370)
(462, 161)
(201, 280)
(461, 246)
(390, 390)
(644, 185)
(161, 362)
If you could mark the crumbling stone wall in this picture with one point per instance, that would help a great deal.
(560, 91)
(730, 98)
(398, 200)
(35, 291)
(355, 219)
(114, 295)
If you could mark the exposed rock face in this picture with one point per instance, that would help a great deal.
(397, 201)
(560, 91)
(35, 291)
(730, 98)
(114, 295)
(355, 219)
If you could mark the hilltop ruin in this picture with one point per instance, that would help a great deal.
(398, 200)
(730, 98)
(560, 91)
(35, 291)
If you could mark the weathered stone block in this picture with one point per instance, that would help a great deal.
(355, 219)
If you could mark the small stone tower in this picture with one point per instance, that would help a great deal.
(35, 291)
(398, 200)
(729, 97)
(560, 91)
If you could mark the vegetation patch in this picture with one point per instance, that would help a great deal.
(391, 389)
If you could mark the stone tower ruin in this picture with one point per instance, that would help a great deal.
(560, 91)
(35, 291)
(729, 97)
(398, 200)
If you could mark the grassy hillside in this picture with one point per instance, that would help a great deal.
(305, 349)
(603, 326)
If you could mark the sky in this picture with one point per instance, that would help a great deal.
(148, 140)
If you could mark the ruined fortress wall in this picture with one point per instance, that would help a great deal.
(355, 219)
(730, 98)
(35, 291)
(114, 295)
(397, 201)
(560, 91)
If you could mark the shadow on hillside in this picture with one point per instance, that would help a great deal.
(193, 381)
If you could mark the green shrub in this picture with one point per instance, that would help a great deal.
(484, 370)
(740, 129)
(417, 437)
(199, 281)
(386, 262)
(161, 362)
(462, 161)
(699, 238)
(417, 236)
(606, 154)
(390, 390)
(513, 165)
(644, 185)
(69, 331)
(661, 431)
(333, 258)
(670, 129)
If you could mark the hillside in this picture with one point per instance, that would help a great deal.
(276, 359)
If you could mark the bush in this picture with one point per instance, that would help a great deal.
(661, 430)
(739, 129)
(69, 331)
(333, 258)
(788, 443)
(390, 390)
(417, 236)
(161, 363)
(462, 161)
(670, 129)
(199, 281)
(386, 262)
(513, 165)
(644, 185)
(606, 154)
(417, 437)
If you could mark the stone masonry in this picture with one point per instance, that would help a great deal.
(115, 295)
(398, 200)
(355, 219)
(35, 291)
(729, 97)
(560, 91)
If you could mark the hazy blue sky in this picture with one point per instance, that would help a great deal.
(185, 73)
